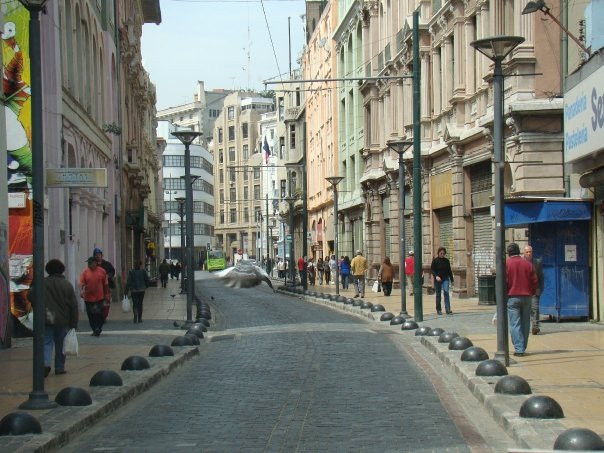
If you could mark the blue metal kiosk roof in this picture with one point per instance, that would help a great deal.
(524, 212)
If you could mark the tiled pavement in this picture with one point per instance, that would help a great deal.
(565, 361)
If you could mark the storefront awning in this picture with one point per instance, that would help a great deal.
(526, 212)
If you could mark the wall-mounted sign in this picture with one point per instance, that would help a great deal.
(16, 200)
(76, 177)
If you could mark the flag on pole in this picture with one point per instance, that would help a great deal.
(267, 150)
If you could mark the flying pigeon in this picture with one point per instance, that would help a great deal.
(244, 274)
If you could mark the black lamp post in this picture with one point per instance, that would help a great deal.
(400, 146)
(169, 193)
(181, 214)
(496, 49)
(292, 263)
(334, 181)
(187, 137)
(271, 263)
(38, 398)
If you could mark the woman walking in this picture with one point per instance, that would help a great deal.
(138, 281)
(345, 271)
(320, 269)
(61, 314)
(386, 275)
(443, 277)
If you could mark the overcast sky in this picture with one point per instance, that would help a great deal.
(208, 40)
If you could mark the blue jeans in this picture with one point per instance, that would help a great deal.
(345, 280)
(54, 336)
(359, 282)
(519, 319)
(444, 284)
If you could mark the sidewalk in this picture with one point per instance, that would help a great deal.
(565, 361)
(119, 340)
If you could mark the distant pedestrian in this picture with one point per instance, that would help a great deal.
(164, 270)
(138, 281)
(177, 270)
(94, 289)
(443, 277)
(301, 268)
(326, 271)
(410, 270)
(281, 268)
(333, 266)
(61, 314)
(345, 271)
(538, 268)
(358, 267)
(172, 270)
(386, 276)
(320, 270)
(522, 283)
(310, 268)
(110, 270)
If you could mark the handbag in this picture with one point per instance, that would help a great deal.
(376, 287)
(70, 343)
(126, 305)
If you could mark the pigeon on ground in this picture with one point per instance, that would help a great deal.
(244, 274)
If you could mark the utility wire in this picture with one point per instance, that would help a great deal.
(270, 36)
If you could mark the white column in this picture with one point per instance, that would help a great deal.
(470, 67)
(436, 80)
(425, 85)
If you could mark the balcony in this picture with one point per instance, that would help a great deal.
(292, 113)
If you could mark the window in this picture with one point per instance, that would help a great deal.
(246, 150)
(297, 97)
(207, 165)
(293, 182)
(174, 184)
(220, 136)
(283, 184)
(232, 176)
(233, 194)
(174, 161)
(232, 153)
(220, 157)
(245, 176)
(244, 130)
(221, 174)
(233, 215)
(231, 113)
(221, 217)
(222, 195)
(171, 206)
(257, 214)
(246, 193)
(257, 192)
(256, 172)
(231, 132)
(292, 136)
(281, 103)
(246, 215)
(281, 147)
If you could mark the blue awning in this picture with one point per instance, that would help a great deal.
(524, 213)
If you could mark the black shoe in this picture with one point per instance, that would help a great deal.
(519, 354)
(449, 312)
(438, 312)
(96, 332)
(46, 371)
(60, 372)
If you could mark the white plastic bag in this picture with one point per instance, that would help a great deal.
(70, 343)
(81, 305)
(126, 305)
(28, 320)
(376, 287)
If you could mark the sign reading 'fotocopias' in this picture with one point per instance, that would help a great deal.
(76, 177)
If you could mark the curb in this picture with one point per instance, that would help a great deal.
(62, 423)
(527, 433)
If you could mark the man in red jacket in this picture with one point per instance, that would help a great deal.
(521, 285)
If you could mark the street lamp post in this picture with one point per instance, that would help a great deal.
(400, 146)
(334, 181)
(181, 214)
(187, 137)
(292, 263)
(496, 49)
(38, 398)
(170, 192)
(269, 254)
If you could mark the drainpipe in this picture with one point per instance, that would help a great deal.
(563, 73)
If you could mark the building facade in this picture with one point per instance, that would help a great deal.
(237, 172)
(173, 172)
(319, 62)
(199, 115)
(351, 62)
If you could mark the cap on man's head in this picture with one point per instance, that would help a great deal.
(359, 252)
(91, 260)
(97, 250)
(513, 249)
(410, 252)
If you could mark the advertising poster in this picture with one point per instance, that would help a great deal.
(17, 110)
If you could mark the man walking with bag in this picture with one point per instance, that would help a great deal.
(95, 292)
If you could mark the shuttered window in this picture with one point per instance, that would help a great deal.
(445, 230)
(483, 251)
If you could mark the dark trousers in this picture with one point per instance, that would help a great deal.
(94, 310)
(164, 280)
(387, 288)
(137, 305)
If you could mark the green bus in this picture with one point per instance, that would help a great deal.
(215, 260)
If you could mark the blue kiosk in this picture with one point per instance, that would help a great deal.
(559, 234)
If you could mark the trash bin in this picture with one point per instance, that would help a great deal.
(486, 290)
